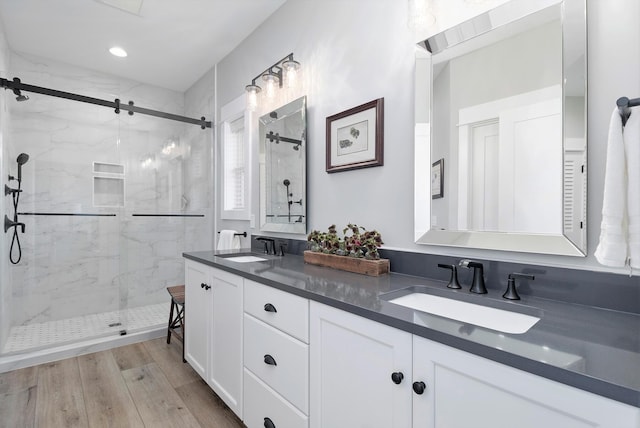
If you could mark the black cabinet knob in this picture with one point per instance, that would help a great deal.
(270, 308)
(205, 286)
(419, 387)
(268, 359)
(268, 423)
(397, 377)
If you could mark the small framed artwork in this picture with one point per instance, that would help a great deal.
(355, 137)
(437, 179)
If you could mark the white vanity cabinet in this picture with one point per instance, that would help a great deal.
(213, 329)
(276, 358)
(352, 360)
(197, 321)
(464, 390)
(360, 371)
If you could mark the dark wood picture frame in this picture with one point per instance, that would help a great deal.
(366, 152)
(437, 179)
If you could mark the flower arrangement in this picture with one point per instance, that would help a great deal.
(357, 242)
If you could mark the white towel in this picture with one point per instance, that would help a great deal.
(620, 228)
(228, 240)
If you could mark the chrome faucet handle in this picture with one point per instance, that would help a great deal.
(453, 281)
(477, 285)
(512, 293)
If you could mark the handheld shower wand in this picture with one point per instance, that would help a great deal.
(8, 223)
(22, 159)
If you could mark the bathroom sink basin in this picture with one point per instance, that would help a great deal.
(243, 257)
(502, 320)
(246, 259)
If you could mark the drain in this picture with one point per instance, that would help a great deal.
(115, 324)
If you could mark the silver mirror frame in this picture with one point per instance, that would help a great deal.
(274, 122)
(573, 34)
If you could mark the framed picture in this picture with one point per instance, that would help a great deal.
(355, 137)
(437, 179)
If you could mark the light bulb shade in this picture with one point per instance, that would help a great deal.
(290, 69)
(272, 81)
(252, 96)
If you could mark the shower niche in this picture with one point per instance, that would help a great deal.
(283, 146)
(108, 185)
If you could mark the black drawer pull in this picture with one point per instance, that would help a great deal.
(268, 423)
(270, 308)
(268, 359)
(419, 387)
(397, 377)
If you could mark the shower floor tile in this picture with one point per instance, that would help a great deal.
(53, 333)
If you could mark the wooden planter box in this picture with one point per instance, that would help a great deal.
(350, 264)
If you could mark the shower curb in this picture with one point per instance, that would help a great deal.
(19, 361)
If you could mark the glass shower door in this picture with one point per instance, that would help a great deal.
(166, 212)
(65, 288)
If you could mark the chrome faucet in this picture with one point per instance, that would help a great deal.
(477, 285)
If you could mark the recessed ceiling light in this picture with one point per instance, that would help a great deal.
(118, 51)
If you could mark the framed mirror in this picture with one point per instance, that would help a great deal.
(282, 137)
(500, 132)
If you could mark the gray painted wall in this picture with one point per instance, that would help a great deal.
(356, 51)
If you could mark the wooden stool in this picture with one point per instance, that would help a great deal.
(176, 315)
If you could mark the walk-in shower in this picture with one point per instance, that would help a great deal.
(98, 203)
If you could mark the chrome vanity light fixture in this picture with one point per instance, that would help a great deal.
(283, 71)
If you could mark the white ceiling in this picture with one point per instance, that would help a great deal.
(171, 43)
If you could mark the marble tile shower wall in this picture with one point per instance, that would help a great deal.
(77, 265)
(5, 289)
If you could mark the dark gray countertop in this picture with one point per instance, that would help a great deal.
(597, 350)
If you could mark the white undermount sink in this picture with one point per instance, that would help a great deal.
(245, 259)
(483, 316)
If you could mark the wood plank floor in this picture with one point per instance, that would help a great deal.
(140, 385)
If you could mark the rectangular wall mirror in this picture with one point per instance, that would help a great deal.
(283, 146)
(500, 131)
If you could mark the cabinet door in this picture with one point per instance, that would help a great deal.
(473, 391)
(225, 374)
(352, 360)
(197, 310)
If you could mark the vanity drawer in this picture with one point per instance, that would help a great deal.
(262, 402)
(285, 311)
(279, 360)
